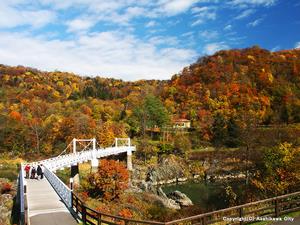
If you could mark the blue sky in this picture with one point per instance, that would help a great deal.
(139, 39)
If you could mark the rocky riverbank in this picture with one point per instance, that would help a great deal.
(174, 169)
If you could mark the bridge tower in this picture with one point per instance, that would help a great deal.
(125, 142)
(94, 160)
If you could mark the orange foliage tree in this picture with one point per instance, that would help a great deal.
(109, 181)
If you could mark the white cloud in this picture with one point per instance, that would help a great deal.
(204, 14)
(211, 48)
(111, 53)
(80, 24)
(11, 17)
(151, 23)
(174, 7)
(245, 14)
(188, 34)
(164, 40)
(228, 27)
(247, 3)
(297, 45)
(200, 9)
(276, 48)
(123, 10)
(208, 35)
(255, 22)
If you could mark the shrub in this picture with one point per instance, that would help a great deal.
(126, 213)
(166, 149)
(109, 181)
(156, 212)
(5, 186)
(182, 144)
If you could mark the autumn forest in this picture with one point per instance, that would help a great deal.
(42, 111)
(245, 100)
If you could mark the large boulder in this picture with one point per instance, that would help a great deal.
(170, 203)
(180, 198)
(167, 202)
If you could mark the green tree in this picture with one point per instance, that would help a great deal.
(151, 113)
(279, 170)
(146, 149)
(219, 130)
(182, 144)
(285, 114)
(233, 131)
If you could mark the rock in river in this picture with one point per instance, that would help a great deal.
(180, 198)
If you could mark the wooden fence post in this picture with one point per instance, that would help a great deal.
(83, 214)
(76, 203)
(99, 219)
(204, 221)
(241, 214)
(277, 209)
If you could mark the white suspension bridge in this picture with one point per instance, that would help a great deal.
(49, 201)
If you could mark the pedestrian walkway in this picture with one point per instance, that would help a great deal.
(45, 206)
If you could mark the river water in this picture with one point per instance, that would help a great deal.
(209, 196)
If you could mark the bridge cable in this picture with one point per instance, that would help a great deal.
(65, 149)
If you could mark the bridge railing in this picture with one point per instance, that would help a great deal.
(61, 189)
(22, 196)
(242, 214)
(73, 158)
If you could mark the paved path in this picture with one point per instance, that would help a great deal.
(44, 205)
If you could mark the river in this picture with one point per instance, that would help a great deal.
(209, 196)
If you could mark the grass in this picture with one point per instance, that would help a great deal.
(9, 168)
(65, 174)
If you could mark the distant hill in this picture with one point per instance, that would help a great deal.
(236, 83)
(47, 109)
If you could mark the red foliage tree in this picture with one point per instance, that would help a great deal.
(109, 181)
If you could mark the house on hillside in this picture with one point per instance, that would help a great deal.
(181, 124)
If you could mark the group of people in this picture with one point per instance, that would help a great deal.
(33, 172)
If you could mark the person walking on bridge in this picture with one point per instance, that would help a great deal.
(33, 171)
(27, 170)
(40, 172)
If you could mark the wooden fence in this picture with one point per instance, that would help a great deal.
(93, 217)
(242, 214)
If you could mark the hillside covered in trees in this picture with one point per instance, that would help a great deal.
(40, 112)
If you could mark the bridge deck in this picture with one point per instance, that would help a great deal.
(44, 205)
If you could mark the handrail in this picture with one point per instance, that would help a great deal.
(22, 196)
(61, 189)
(21, 192)
(73, 158)
(93, 217)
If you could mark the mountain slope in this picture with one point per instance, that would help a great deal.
(42, 111)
